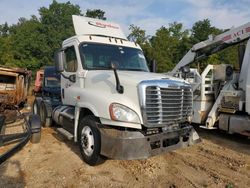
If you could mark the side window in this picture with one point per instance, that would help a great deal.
(71, 62)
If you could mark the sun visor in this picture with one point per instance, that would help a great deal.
(91, 26)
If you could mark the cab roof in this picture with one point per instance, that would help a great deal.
(90, 26)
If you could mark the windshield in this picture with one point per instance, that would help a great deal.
(100, 56)
(7, 82)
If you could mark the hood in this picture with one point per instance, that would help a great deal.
(104, 80)
(132, 78)
(135, 77)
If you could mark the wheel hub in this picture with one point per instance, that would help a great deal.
(87, 141)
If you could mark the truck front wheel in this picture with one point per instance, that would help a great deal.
(89, 140)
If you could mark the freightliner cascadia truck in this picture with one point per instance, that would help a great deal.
(110, 103)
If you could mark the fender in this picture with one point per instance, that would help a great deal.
(78, 108)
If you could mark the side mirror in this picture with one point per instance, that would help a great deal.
(153, 66)
(72, 78)
(59, 60)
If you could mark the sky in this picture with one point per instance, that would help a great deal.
(149, 15)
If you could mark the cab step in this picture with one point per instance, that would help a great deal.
(65, 133)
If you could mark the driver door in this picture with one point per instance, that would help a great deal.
(69, 77)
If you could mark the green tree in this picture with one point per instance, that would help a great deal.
(139, 36)
(4, 29)
(6, 51)
(202, 29)
(169, 45)
(29, 43)
(57, 25)
(181, 41)
(96, 13)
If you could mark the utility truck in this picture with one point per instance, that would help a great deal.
(111, 104)
(221, 94)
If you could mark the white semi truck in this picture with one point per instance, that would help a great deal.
(110, 103)
(221, 94)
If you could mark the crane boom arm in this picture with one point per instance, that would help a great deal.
(214, 44)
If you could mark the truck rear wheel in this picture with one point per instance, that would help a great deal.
(35, 125)
(89, 140)
(2, 124)
(36, 104)
(35, 137)
(45, 120)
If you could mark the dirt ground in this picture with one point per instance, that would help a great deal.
(219, 161)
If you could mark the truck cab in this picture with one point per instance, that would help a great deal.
(38, 82)
(111, 104)
(50, 95)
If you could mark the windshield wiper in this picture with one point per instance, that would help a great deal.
(134, 70)
(99, 68)
(119, 87)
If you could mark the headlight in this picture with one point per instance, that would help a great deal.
(120, 112)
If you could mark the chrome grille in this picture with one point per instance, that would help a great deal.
(164, 104)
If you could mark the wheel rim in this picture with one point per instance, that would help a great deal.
(87, 141)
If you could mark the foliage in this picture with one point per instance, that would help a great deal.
(31, 42)
(201, 30)
(57, 25)
(139, 36)
(96, 13)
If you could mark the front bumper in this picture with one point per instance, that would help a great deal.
(120, 144)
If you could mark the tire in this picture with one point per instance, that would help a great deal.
(45, 120)
(36, 104)
(35, 137)
(2, 124)
(2, 131)
(35, 125)
(89, 140)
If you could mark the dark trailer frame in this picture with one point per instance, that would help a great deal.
(32, 132)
